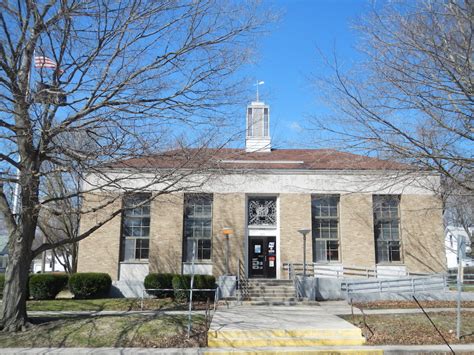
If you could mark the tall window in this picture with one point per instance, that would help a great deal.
(249, 122)
(136, 227)
(198, 226)
(325, 219)
(386, 226)
(265, 122)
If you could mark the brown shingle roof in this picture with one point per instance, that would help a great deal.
(280, 159)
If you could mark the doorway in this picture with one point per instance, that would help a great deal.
(262, 257)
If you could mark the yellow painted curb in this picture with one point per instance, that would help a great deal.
(299, 352)
(288, 342)
(314, 333)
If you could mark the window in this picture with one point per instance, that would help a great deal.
(262, 211)
(198, 226)
(249, 122)
(265, 122)
(325, 220)
(386, 227)
(136, 228)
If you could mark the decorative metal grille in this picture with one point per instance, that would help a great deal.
(262, 211)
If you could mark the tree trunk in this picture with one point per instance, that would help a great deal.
(15, 292)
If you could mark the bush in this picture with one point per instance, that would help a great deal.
(181, 281)
(204, 282)
(159, 281)
(46, 286)
(200, 282)
(90, 284)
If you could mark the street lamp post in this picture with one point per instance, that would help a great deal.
(227, 231)
(304, 232)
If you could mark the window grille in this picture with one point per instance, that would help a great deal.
(325, 220)
(262, 211)
(136, 227)
(386, 228)
(198, 226)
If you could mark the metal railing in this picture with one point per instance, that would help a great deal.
(242, 283)
(401, 285)
(342, 272)
(145, 292)
(466, 279)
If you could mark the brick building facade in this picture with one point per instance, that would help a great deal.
(361, 212)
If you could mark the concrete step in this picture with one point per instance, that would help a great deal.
(285, 341)
(273, 303)
(272, 298)
(270, 290)
(285, 333)
(271, 283)
(269, 287)
(272, 294)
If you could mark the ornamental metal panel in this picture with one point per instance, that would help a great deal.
(262, 211)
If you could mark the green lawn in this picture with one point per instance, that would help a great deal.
(465, 288)
(411, 329)
(109, 331)
(108, 304)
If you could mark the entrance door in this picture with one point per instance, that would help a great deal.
(262, 257)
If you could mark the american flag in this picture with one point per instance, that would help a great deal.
(45, 62)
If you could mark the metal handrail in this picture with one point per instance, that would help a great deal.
(145, 290)
(242, 282)
(413, 284)
(344, 271)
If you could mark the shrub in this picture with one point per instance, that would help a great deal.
(46, 286)
(204, 282)
(181, 281)
(159, 281)
(200, 282)
(90, 284)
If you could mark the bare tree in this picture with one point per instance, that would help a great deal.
(57, 226)
(411, 97)
(459, 208)
(127, 76)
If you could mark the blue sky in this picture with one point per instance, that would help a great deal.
(288, 56)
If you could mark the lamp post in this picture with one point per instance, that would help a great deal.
(304, 231)
(227, 231)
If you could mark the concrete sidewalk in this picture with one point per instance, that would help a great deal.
(343, 308)
(240, 327)
(277, 317)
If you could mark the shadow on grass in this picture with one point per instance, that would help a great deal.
(109, 331)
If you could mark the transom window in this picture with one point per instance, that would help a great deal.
(325, 220)
(262, 211)
(386, 228)
(136, 227)
(198, 226)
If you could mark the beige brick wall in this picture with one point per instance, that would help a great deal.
(228, 211)
(99, 252)
(295, 213)
(422, 233)
(357, 230)
(166, 233)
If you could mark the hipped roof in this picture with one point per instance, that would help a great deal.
(276, 159)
